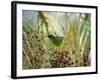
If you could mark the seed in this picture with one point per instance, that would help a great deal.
(72, 63)
(69, 64)
(40, 49)
(76, 61)
(55, 52)
(36, 37)
(38, 40)
(67, 52)
(69, 58)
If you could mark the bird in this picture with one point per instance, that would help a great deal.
(56, 40)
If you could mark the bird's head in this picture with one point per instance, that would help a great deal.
(51, 36)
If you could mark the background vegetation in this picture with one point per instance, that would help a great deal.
(56, 39)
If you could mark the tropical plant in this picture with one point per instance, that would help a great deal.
(56, 39)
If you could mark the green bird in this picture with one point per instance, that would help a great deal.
(55, 40)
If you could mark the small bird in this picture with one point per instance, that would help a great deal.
(55, 40)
